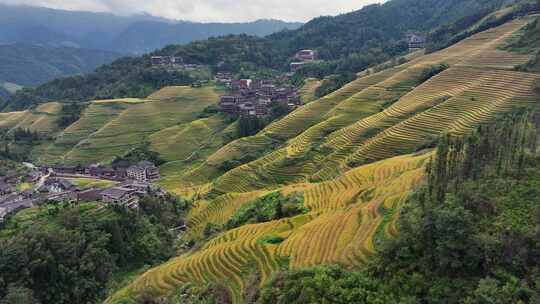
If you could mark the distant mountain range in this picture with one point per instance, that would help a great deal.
(131, 34)
(30, 65)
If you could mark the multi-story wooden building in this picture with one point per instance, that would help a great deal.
(143, 171)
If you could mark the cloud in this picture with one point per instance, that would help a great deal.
(210, 10)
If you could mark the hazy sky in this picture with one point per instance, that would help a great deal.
(210, 10)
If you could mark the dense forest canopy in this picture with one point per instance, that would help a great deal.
(69, 252)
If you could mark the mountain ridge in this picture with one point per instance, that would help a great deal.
(105, 31)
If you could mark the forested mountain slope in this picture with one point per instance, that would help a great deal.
(349, 43)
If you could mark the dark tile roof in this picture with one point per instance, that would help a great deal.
(27, 192)
(90, 194)
(146, 164)
(66, 184)
(17, 205)
(9, 198)
(116, 192)
(6, 187)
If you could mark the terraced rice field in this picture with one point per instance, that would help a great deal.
(41, 119)
(94, 117)
(168, 120)
(109, 128)
(384, 114)
(135, 124)
(332, 232)
(307, 92)
(351, 155)
(121, 100)
(355, 156)
(180, 142)
(218, 211)
(308, 117)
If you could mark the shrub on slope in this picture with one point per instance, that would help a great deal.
(270, 207)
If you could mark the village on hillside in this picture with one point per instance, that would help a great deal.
(124, 186)
(115, 186)
(248, 97)
(173, 62)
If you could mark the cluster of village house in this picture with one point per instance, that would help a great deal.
(53, 184)
(302, 57)
(172, 62)
(415, 41)
(255, 98)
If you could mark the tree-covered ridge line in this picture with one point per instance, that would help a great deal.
(125, 77)
(472, 234)
(528, 43)
(135, 34)
(348, 43)
(479, 21)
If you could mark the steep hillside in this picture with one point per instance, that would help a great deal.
(528, 42)
(325, 184)
(362, 29)
(377, 116)
(352, 157)
(109, 128)
(41, 119)
(31, 65)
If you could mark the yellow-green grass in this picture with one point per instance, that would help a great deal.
(111, 127)
(184, 142)
(497, 93)
(331, 233)
(185, 148)
(24, 186)
(108, 128)
(121, 100)
(92, 183)
(218, 211)
(41, 119)
(94, 117)
(10, 119)
(307, 91)
(139, 121)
